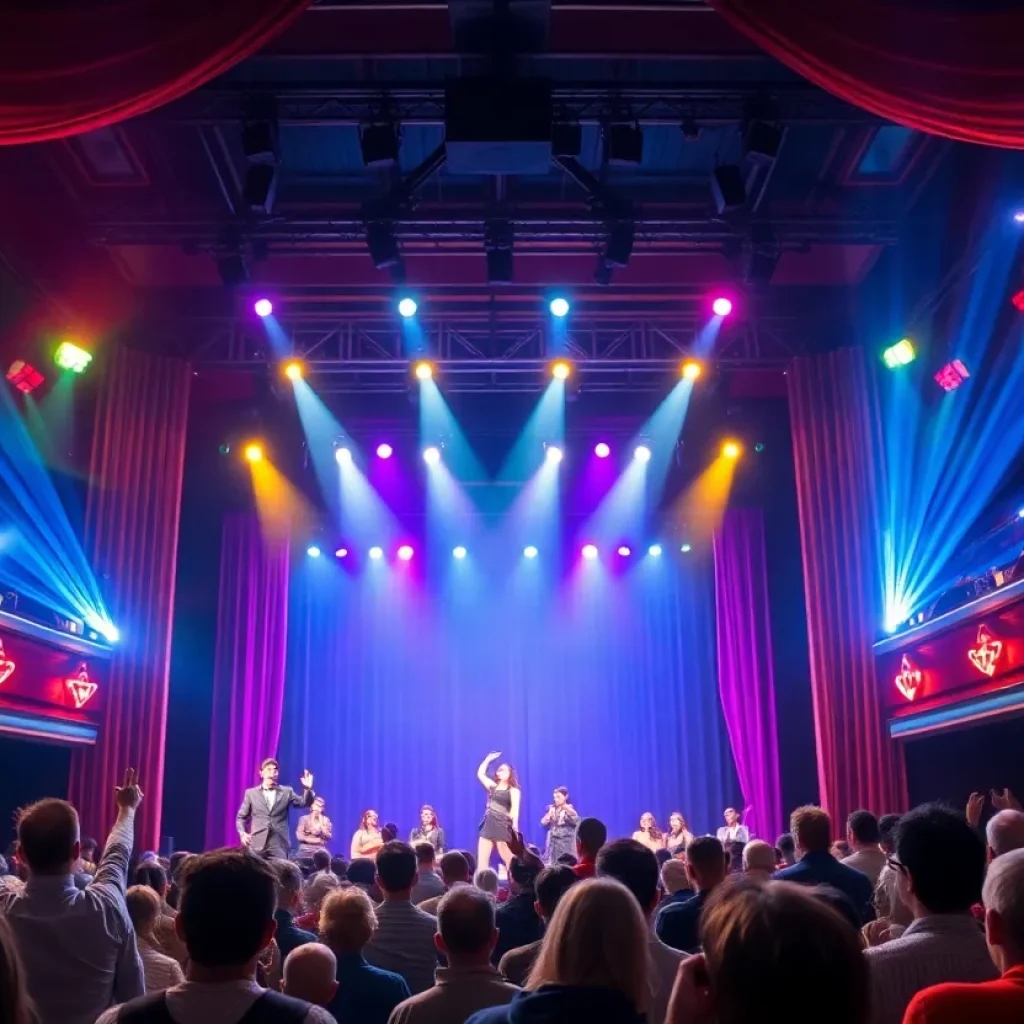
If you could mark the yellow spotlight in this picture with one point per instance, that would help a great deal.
(692, 369)
(561, 370)
(731, 450)
(254, 452)
(424, 371)
(294, 369)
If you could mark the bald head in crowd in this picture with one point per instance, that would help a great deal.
(309, 974)
(1003, 896)
(1005, 832)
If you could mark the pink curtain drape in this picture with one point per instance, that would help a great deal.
(834, 420)
(132, 518)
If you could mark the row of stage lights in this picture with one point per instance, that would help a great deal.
(405, 552)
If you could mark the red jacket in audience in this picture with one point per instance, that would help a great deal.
(988, 1002)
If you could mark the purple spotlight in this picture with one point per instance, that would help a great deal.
(385, 451)
(722, 306)
(624, 551)
(263, 307)
(589, 552)
(405, 552)
(601, 450)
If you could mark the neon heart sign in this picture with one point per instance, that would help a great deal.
(909, 679)
(7, 666)
(985, 655)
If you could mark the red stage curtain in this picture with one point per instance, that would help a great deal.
(132, 516)
(958, 74)
(249, 669)
(71, 68)
(834, 419)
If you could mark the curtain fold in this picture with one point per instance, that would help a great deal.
(132, 518)
(746, 679)
(954, 73)
(72, 68)
(839, 474)
(249, 668)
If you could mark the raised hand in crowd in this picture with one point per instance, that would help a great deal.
(975, 805)
(1004, 800)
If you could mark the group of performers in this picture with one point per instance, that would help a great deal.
(267, 807)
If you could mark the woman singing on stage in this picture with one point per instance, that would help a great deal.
(367, 840)
(314, 829)
(679, 836)
(560, 820)
(502, 810)
(649, 834)
(430, 831)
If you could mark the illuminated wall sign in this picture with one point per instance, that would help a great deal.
(6, 665)
(80, 687)
(985, 654)
(908, 680)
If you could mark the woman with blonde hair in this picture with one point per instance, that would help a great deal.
(592, 965)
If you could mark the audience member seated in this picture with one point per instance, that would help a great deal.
(812, 832)
(675, 881)
(455, 870)
(428, 884)
(889, 908)
(759, 860)
(389, 832)
(990, 1002)
(16, 1006)
(404, 939)
(591, 835)
(940, 863)
(568, 859)
(160, 971)
(466, 935)
(593, 964)
(317, 889)
(552, 883)
(289, 903)
(518, 922)
(321, 860)
(772, 953)
(225, 918)
(366, 995)
(678, 924)
(787, 850)
(840, 849)
(176, 862)
(77, 945)
(1004, 832)
(362, 872)
(164, 935)
(636, 867)
(310, 974)
(486, 880)
(339, 868)
(862, 834)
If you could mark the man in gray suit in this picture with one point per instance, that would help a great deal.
(267, 806)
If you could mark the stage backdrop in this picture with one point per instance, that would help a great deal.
(398, 685)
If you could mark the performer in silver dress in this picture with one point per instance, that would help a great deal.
(560, 820)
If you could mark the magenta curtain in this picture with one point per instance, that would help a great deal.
(71, 68)
(746, 681)
(835, 426)
(949, 72)
(249, 670)
(132, 516)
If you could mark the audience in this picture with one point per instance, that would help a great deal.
(891, 910)
(428, 883)
(863, 836)
(517, 919)
(759, 860)
(164, 935)
(455, 870)
(310, 974)
(486, 880)
(787, 850)
(1004, 832)
(466, 937)
(317, 889)
(675, 881)
(940, 864)
(77, 945)
(362, 872)
(568, 859)
(289, 902)
(16, 1006)
(366, 994)
(159, 970)
(321, 859)
(591, 835)
(812, 833)
(678, 924)
(404, 939)
(636, 867)
(552, 883)
(225, 918)
(339, 868)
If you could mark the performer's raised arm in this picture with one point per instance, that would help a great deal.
(481, 772)
(305, 798)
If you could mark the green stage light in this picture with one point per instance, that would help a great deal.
(900, 354)
(70, 357)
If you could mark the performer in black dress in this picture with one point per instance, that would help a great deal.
(560, 820)
(678, 837)
(430, 831)
(502, 810)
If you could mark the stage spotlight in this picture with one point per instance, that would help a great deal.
(642, 453)
(529, 551)
(341, 553)
(721, 306)
(601, 450)
(1018, 217)
(731, 450)
(686, 549)
(553, 453)
(405, 552)
(263, 307)
(561, 370)
(424, 371)
(407, 307)
(759, 447)
(24, 376)
(70, 357)
(654, 551)
(589, 552)
(459, 552)
(313, 551)
(901, 354)
(293, 369)
(343, 456)
(253, 452)
(1020, 513)
(431, 455)
(104, 627)
(559, 307)
(691, 369)
(385, 451)
(376, 553)
(624, 551)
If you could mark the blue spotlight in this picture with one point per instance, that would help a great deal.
(341, 553)
(376, 553)
(559, 306)
(624, 551)
(686, 549)
(589, 552)
(104, 627)
(553, 453)
(313, 551)
(459, 552)
(407, 306)
(432, 455)
(654, 551)
(1020, 513)
(530, 551)
(642, 453)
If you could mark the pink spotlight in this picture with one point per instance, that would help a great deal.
(263, 307)
(590, 552)
(624, 551)
(722, 306)
(601, 450)
(405, 553)
(385, 451)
